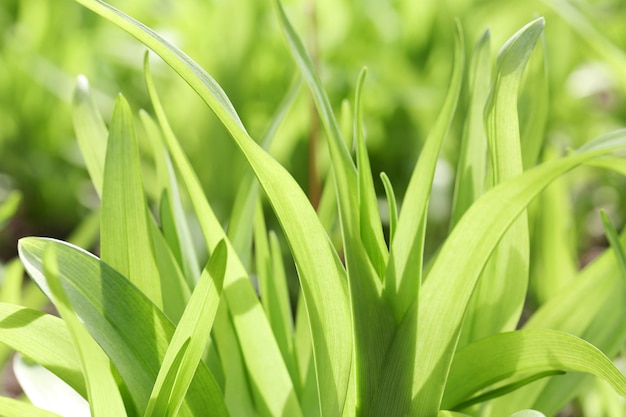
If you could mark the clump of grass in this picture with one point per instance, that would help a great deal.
(377, 331)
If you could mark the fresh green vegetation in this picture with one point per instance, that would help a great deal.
(193, 307)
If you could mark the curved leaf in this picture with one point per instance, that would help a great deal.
(514, 355)
(44, 339)
(132, 331)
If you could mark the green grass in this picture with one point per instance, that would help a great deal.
(380, 327)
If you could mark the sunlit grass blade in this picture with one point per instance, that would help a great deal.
(404, 269)
(369, 216)
(164, 395)
(173, 219)
(505, 389)
(192, 335)
(470, 177)
(102, 392)
(131, 330)
(240, 223)
(458, 266)
(392, 204)
(343, 167)
(91, 132)
(500, 293)
(10, 407)
(516, 355)
(276, 388)
(534, 105)
(44, 339)
(125, 240)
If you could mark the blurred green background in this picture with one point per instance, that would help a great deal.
(406, 44)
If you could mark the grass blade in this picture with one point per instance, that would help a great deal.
(499, 296)
(102, 392)
(470, 178)
(393, 205)
(174, 223)
(91, 132)
(125, 235)
(45, 340)
(369, 216)
(132, 331)
(515, 355)
(190, 338)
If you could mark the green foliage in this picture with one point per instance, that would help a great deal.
(379, 327)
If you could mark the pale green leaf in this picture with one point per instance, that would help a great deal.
(516, 355)
(91, 132)
(125, 239)
(102, 392)
(534, 104)
(392, 204)
(470, 177)
(369, 216)
(173, 219)
(192, 333)
(500, 293)
(240, 229)
(44, 339)
(132, 331)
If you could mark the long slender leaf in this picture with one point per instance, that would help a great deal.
(369, 217)
(125, 235)
(44, 339)
(192, 334)
(132, 331)
(173, 218)
(103, 394)
(393, 205)
(470, 177)
(91, 132)
(499, 296)
(521, 353)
